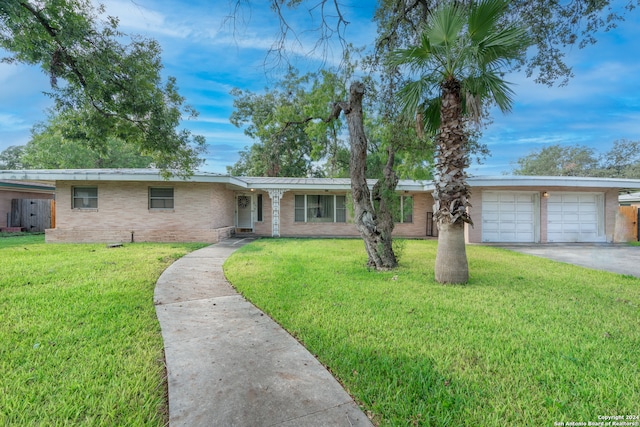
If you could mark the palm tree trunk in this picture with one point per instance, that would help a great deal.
(451, 258)
(451, 190)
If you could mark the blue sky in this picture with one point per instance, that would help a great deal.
(209, 57)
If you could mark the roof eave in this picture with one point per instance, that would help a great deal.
(52, 175)
(553, 181)
(29, 188)
(298, 187)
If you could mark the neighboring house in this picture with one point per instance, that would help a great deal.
(120, 205)
(629, 199)
(13, 190)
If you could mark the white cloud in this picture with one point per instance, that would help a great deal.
(215, 120)
(134, 17)
(235, 138)
(7, 71)
(11, 123)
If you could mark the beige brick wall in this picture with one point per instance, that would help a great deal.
(58, 235)
(206, 212)
(474, 234)
(201, 213)
(611, 204)
(263, 228)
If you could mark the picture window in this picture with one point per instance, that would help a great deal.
(320, 208)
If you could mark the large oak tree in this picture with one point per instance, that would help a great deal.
(110, 88)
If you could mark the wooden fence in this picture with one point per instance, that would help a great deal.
(628, 224)
(33, 215)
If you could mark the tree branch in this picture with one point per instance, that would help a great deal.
(61, 53)
(338, 107)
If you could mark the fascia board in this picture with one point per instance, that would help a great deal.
(414, 186)
(299, 187)
(111, 175)
(31, 188)
(551, 181)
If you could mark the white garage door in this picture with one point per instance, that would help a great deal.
(509, 216)
(575, 217)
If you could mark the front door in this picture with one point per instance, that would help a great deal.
(243, 209)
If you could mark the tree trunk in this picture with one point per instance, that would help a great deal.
(376, 232)
(451, 190)
(383, 190)
(451, 258)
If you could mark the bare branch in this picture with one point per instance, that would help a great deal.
(326, 30)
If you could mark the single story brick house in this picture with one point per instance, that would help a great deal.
(123, 205)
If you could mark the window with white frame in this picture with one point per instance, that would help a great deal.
(84, 198)
(404, 214)
(320, 208)
(161, 198)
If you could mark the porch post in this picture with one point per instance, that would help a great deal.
(275, 194)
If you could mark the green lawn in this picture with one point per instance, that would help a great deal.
(80, 343)
(528, 342)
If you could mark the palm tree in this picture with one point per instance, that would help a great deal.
(463, 51)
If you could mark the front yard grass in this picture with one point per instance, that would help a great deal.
(527, 342)
(80, 343)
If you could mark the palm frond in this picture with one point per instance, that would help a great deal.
(491, 86)
(445, 24)
(470, 44)
(413, 94)
(484, 17)
(473, 107)
(506, 44)
(431, 115)
(415, 57)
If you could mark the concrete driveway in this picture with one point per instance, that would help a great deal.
(617, 258)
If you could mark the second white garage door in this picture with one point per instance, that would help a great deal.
(575, 217)
(510, 216)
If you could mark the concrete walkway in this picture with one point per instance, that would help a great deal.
(229, 364)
